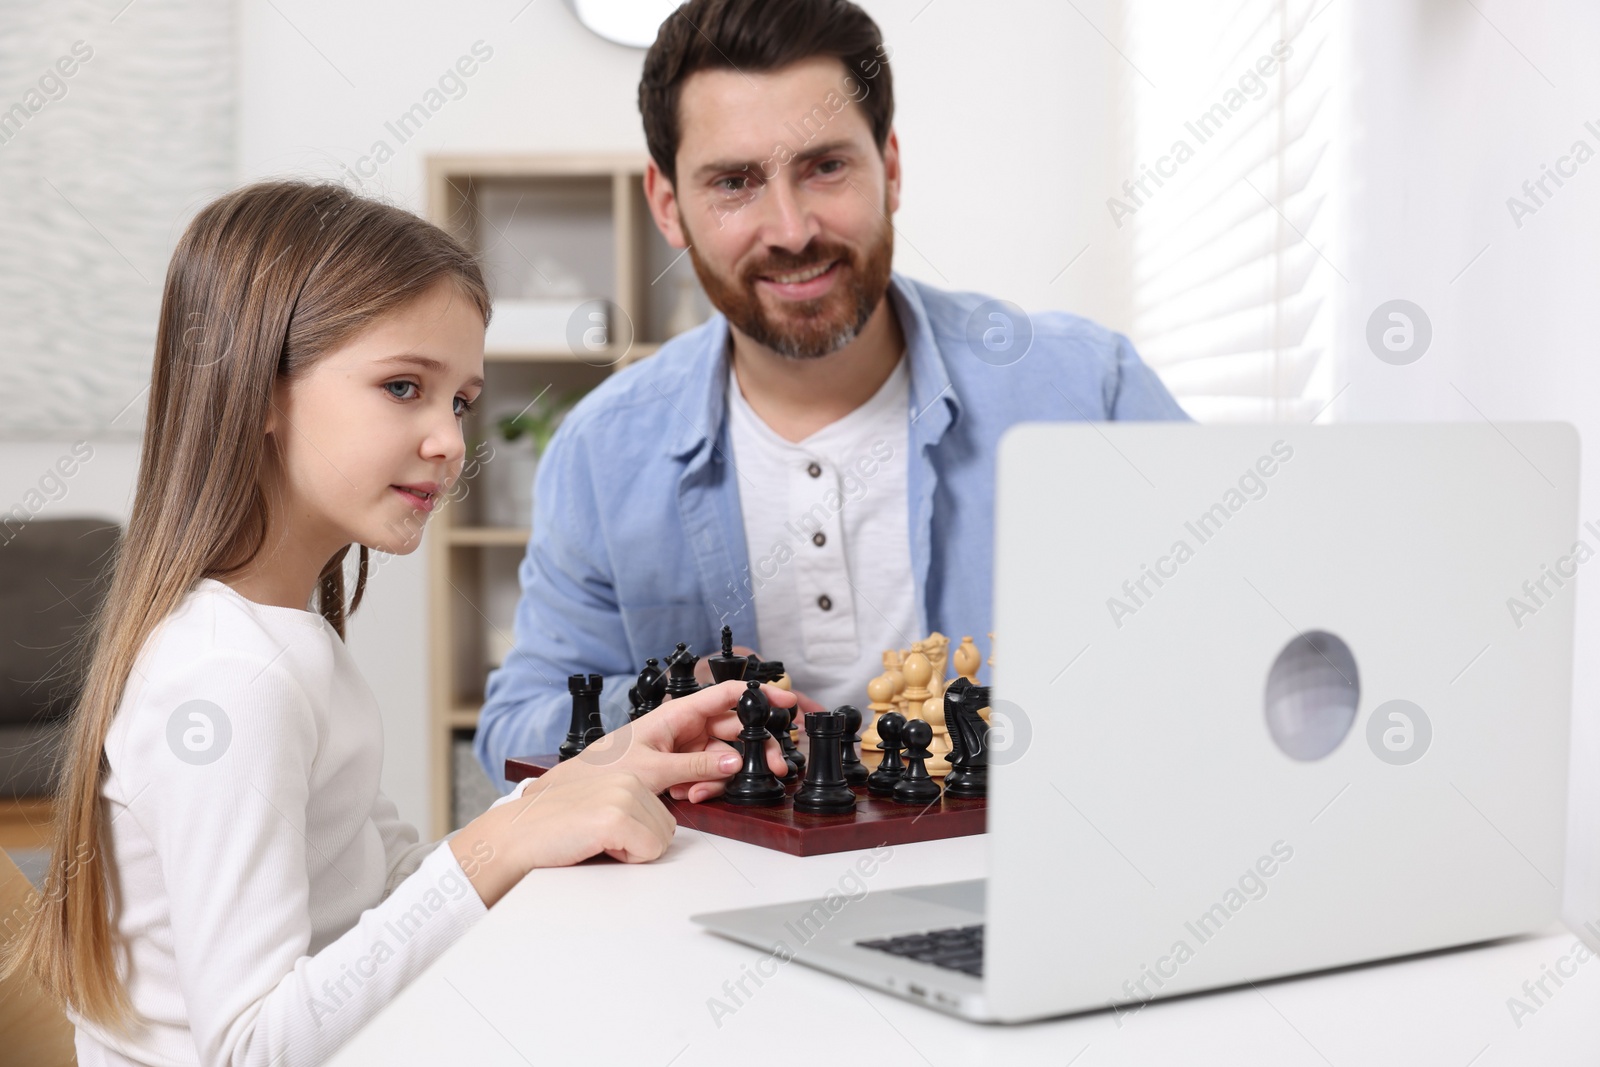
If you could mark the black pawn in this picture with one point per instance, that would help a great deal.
(648, 692)
(881, 782)
(727, 667)
(778, 728)
(825, 791)
(680, 672)
(754, 785)
(584, 726)
(855, 772)
(916, 787)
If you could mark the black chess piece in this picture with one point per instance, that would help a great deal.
(754, 785)
(855, 772)
(786, 741)
(881, 782)
(680, 672)
(954, 696)
(727, 667)
(778, 728)
(584, 727)
(649, 691)
(763, 670)
(916, 786)
(975, 745)
(825, 791)
(652, 695)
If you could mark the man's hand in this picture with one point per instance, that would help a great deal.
(679, 747)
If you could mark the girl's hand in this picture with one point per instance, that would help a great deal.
(679, 746)
(559, 823)
(611, 812)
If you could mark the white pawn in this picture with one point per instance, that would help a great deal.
(902, 703)
(933, 713)
(880, 694)
(917, 671)
(893, 660)
(925, 705)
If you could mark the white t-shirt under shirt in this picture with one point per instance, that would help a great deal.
(827, 529)
(270, 899)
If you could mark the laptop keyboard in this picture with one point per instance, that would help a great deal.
(955, 948)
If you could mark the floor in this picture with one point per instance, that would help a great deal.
(32, 863)
(24, 835)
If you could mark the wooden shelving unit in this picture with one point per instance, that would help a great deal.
(590, 210)
(25, 822)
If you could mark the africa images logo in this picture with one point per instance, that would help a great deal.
(1252, 485)
(198, 732)
(1399, 332)
(1399, 732)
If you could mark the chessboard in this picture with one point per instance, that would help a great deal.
(926, 743)
(876, 821)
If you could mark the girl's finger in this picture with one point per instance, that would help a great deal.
(687, 717)
(701, 792)
(784, 698)
(648, 807)
(683, 768)
(635, 841)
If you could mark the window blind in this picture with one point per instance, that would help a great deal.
(1229, 203)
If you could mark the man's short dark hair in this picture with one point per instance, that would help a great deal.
(758, 36)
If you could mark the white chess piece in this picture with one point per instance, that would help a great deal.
(937, 649)
(967, 660)
(927, 707)
(880, 694)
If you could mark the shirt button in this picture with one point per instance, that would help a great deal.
(824, 602)
(814, 470)
(819, 538)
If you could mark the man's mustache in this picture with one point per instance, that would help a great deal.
(785, 263)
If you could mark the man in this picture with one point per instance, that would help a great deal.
(814, 466)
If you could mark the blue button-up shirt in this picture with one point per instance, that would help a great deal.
(638, 540)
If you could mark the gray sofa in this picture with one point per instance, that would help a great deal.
(53, 578)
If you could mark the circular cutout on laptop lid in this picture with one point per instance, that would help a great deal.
(1312, 693)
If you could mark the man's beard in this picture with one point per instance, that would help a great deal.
(806, 329)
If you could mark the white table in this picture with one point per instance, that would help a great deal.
(598, 964)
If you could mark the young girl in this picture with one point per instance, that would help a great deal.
(228, 884)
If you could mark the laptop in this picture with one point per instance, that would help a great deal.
(1275, 699)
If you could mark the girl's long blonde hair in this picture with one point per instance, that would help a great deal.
(264, 281)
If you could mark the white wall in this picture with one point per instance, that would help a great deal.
(1007, 167)
(1453, 110)
(1007, 127)
(100, 487)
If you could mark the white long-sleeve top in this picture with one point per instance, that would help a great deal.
(269, 897)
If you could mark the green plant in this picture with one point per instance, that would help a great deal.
(539, 420)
